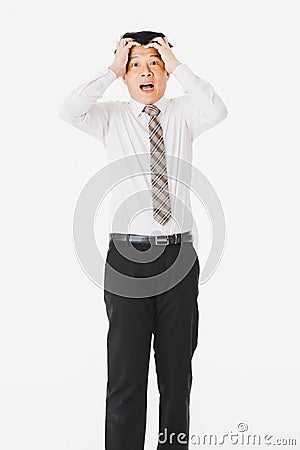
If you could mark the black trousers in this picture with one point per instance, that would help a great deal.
(172, 317)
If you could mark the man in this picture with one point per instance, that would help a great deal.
(150, 233)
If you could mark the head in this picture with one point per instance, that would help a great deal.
(145, 77)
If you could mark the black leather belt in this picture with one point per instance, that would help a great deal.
(157, 240)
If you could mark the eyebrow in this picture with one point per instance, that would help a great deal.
(137, 56)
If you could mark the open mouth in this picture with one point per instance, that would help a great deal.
(147, 87)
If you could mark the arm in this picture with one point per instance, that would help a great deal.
(81, 109)
(81, 99)
(202, 107)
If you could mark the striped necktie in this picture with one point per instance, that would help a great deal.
(159, 178)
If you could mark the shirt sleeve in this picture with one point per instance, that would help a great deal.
(81, 109)
(202, 106)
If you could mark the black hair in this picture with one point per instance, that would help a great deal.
(143, 37)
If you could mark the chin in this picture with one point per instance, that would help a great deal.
(145, 100)
(150, 98)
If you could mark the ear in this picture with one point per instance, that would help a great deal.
(124, 79)
(168, 75)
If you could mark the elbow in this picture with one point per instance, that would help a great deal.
(223, 113)
(63, 112)
(66, 111)
(220, 113)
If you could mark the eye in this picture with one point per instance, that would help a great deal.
(134, 64)
(154, 62)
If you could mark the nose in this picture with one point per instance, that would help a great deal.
(146, 72)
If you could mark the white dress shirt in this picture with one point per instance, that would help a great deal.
(122, 127)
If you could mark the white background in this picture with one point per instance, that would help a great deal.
(53, 322)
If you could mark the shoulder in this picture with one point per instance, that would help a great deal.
(177, 103)
(110, 106)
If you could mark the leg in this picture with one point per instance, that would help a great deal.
(128, 351)
(175, 339)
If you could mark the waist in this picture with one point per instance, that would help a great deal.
(167, 239)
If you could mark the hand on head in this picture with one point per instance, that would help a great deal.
(121, 56)
(166, 53)
(124, 45)
(144, 66)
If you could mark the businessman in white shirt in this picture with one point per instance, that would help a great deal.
(162, 129)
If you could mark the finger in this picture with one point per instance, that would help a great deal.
(153, 44)
(117, 46)
(156, 42)
(125, 41)
(126, 46)
(132, 44)
(159, 40)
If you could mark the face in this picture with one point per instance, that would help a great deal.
(146, 77)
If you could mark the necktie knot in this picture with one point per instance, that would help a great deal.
(152, 110)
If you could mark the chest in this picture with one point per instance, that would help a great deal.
(130, 134)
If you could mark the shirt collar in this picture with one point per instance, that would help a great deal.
(138, 107)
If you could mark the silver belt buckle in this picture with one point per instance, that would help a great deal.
(161, 240)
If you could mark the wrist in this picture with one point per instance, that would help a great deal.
(115, 70)
(173, 66)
